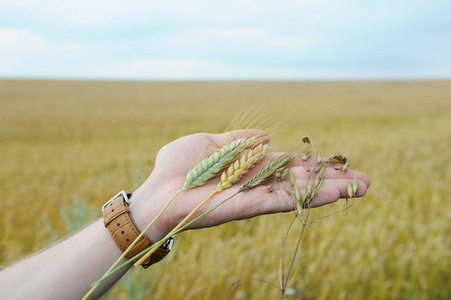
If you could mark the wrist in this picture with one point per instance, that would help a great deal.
(127, 235)
(144, 209)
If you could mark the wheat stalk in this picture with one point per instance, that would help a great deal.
(268, 171)
(241, 166)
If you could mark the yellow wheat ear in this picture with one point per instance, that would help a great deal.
(242, 166)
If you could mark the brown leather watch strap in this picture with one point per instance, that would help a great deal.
(119, 222)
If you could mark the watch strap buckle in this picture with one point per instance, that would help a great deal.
(124, 196)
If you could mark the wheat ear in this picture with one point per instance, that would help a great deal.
(241, 166)
(268, 171)
(212, 165)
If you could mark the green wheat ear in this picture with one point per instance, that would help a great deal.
(268, 171)
(212, 165)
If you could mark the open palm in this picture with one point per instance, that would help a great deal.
(176, 159)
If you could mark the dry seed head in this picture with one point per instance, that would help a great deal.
(268, 171)
(306, 140)
(337, 158)
(212, 165)
(242, 166)
(269, 188)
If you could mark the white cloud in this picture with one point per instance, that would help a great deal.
(22, 49)
(13, 40)
(18, 41)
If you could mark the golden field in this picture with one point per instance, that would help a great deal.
(62, 140)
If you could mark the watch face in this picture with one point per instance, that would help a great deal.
(168, 244)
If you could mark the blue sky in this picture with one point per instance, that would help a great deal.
(199, 39)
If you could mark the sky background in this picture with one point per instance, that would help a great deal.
(234, 39)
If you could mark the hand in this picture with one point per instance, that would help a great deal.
(177, 158)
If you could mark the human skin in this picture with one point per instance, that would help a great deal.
(66, 270)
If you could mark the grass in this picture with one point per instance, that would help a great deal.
(87, 140)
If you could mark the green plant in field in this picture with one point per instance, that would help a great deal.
(75, 216)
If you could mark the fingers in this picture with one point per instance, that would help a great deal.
(329, 173)
(305, 169)
(330, 191)
(261, 201)
(285, 202)
(333, 178)
(340, 185)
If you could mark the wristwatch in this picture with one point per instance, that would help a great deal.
(118, 220)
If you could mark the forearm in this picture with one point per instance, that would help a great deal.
(66, 270)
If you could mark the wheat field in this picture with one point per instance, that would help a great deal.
(67, 147)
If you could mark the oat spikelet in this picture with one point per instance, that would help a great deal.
(355, 185)
(284, 173)
(350, 190)
(242, 166)
(212, 165)
(308, 190)
(268, 171)
(287, 188)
